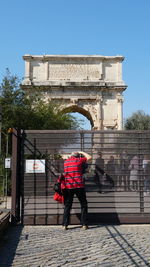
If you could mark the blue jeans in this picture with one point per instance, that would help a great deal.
(68, 200)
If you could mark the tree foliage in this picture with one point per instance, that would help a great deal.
(138, 121)
(28, 111)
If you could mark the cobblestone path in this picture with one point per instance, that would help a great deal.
(104, 246)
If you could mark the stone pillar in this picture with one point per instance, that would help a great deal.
(27, 70)
(96, 137)
(99, 113)
(120, 111)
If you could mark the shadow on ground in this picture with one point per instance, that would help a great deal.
(8, 245)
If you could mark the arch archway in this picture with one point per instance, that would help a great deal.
(80, 110)
(90, 85)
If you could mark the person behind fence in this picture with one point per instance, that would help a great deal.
(134, 172)
(111, 171)
(99, 171)
(146, 170)
(124, 171)
(74, 185)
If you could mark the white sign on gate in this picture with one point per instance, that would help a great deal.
(7, 163)
(35, 166)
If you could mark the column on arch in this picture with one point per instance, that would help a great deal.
(99, 113)
(120, 111)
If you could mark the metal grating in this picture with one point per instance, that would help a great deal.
(125, 201)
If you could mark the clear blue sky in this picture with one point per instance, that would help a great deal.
(86, 27)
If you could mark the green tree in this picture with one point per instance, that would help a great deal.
(138, 121)
(27, 111)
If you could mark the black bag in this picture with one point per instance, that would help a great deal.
(110, 180)
(57, 188)
(84, 167)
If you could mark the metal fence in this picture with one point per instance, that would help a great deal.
(4, 185)
(117, 179)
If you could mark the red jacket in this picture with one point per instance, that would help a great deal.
(73, 169)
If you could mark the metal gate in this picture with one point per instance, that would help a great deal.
(117, 193)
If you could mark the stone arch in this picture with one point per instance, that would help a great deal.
(91, 85)
(75, 108)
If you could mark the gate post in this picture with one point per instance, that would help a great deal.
(15, 176)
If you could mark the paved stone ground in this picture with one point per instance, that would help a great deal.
(105, 246)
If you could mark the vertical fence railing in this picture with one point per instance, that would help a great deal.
(15, 176)
(22, 166)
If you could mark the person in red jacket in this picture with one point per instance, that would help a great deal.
(74, 185)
